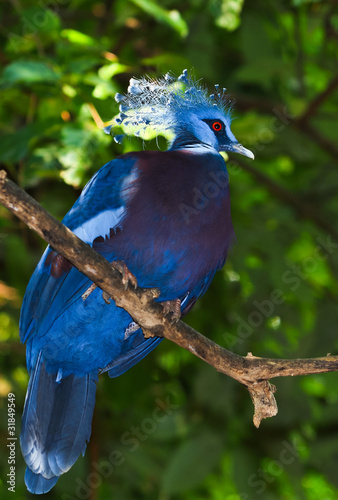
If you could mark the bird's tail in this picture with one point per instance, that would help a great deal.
(56, 424)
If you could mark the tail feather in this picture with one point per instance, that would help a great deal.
(37, 484)
(56, 424)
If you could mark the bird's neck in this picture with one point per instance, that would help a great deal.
(187, 140)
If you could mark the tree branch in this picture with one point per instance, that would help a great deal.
(318, 101)
(251, 371)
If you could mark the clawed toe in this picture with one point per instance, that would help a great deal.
(172, 308)
(127, 276)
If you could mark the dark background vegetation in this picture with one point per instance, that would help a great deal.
(63, 61)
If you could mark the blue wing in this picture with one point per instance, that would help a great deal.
(98, 207)
(56, 284)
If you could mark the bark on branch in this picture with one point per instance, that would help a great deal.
(251, 371)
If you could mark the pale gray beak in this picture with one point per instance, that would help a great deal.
(238, 148)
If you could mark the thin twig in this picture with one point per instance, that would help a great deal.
(318, 101)
(304, 209)
(302, 122)
(251, 371)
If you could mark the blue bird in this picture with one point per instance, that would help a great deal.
(163, 219)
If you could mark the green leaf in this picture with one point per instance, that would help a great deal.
(314, 385)
(78, 38)
(191, 463)
(172, 18)
(229, 16)
(107, 71)
(15, 146)
(41, 21)
(28, 72)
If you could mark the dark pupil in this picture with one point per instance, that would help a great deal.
(217, 126)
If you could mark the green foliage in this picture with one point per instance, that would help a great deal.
(188, 467)
(63, 61)
(171, 18)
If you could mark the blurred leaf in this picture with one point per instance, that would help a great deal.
(172, 18)
(229, 15)
(78, 38)
(28, 72)
(40, 20)
(8, 327)
(15, 146)
(314, 385)
(110, 70)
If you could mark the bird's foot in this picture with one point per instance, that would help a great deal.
(127, 276)
(172, 308)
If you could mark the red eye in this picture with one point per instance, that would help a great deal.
(217, 126)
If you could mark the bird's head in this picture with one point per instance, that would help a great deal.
(209, 128)
(182, 106)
